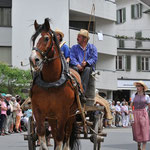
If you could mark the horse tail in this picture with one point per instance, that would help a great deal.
(74, 141)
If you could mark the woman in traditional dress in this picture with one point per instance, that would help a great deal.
(140, 126)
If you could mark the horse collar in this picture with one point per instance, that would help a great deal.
(64, 77)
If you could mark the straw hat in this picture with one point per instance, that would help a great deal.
(84, 32)
(142, 83)
(8, 95)
(59, 32)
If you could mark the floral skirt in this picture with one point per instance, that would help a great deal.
(141, 126)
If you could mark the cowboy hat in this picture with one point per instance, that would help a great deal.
(59, 32)
(142, 83)
(84, 33)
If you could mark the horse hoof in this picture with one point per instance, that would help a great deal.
(43, 148)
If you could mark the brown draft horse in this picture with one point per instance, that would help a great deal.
(52, 94)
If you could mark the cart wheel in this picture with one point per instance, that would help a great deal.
(97, 144)
(31, 134)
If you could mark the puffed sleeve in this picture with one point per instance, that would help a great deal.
(147, 99)
(132, 98)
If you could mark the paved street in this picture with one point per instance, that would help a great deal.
(117, 139)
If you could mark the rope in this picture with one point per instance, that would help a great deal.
(92, 12)
(90, 19)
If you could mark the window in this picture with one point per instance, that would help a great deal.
(136, 11)
(138, 43)
(123, 62)
(143, 63)
(5, 54)
(5, 16)
(121, 15)
(119, 62)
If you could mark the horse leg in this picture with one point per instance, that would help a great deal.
(41, 133)
(70, 135)
(57, 134)
(41, 130)
(60, 133)
(43, 145)
(59, 145)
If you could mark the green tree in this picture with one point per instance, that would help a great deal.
(13, 80)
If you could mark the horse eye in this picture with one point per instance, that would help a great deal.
(46, 39)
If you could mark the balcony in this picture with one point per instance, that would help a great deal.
(133, 44)
(103, 9)
(107, 80)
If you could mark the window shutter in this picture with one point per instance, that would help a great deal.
(141, 7)
(116, 63)
(118, 16)
(139, 63)
(124, 15)
(137, 36)
(128, 63)
(132, 11)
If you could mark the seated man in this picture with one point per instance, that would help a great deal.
(64, 48)
(83, 57)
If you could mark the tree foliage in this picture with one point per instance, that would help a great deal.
(13, 80)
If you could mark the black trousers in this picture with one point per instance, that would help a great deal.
(85, 75)
(2, 120)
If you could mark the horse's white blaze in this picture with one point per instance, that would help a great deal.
(43, 145)
(37, 39)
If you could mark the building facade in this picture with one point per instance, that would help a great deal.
(133, 52)
(69, 16)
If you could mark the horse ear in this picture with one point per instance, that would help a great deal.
(36, 25)
(46, 24)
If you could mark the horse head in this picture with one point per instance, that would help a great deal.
(45, 41)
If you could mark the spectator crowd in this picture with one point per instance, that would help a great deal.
(121, 113)
(12, 118)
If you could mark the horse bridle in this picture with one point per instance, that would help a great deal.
(65, 69)
(45, 54)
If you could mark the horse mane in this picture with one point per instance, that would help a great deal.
(38, 31)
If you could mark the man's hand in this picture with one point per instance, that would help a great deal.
(80, 67)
